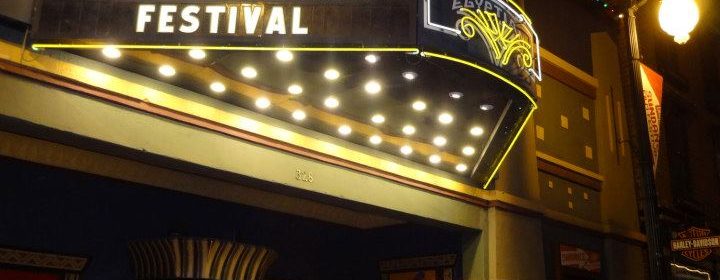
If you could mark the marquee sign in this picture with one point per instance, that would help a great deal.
(458, 75)
(695, 243)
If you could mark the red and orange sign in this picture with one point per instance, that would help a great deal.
(578, 258)
(652, 86)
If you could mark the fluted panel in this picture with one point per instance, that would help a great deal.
(199, 258)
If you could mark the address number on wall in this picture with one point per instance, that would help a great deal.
(303, 176)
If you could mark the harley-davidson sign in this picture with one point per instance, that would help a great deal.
(695, 243)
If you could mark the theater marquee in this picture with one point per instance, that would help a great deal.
(432, 91)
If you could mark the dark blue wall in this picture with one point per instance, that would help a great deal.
(50, 209)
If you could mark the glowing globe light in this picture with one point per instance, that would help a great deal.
(678, 18)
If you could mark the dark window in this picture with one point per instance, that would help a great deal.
(675, 123)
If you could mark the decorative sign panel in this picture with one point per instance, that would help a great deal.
(695, 243)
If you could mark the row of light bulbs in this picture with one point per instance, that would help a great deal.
(331, 102)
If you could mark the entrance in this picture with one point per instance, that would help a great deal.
(67, 212)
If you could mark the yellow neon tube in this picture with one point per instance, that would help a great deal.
(512, 144)
(226, 48)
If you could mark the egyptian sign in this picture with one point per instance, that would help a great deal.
(695, 243)
(495, 27)
(236, 23)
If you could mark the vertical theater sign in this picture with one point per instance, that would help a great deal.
(423, 92)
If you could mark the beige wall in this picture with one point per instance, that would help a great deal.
(619, 205)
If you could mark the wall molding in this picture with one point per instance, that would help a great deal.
(569, 171)
(568, 74)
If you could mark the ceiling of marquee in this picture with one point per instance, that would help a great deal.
(377, 96)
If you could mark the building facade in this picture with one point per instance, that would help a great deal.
(107, 163)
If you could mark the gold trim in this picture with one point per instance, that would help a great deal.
(583, 76)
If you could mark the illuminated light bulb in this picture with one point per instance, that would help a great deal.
(197, 54)
(406, 150)
(331, 102)
(375, 140)
(461, 167)
(295, 89)
(371, 58)
(284, 55)
(409, 75)
(344, 130)
(167, 70)
(217, 87)
(262, 103)
(678, 18)
(468, 151)
(378, 119)
(476, 131)
(299, 115)
(419, 105)
(248, 72)
(439, 141)
(408, 130)
(435, 159)
(373, 87)
(111, 52)
(486, 107)
(332, 74)
(445, 118)
(456, 95)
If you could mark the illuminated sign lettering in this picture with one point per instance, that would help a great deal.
(187, 19)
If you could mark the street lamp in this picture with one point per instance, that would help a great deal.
(678, 18)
